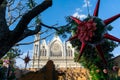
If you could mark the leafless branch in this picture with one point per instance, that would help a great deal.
(34, 41)
(43, 32)
(14, 19)
(28, 32)
(10, 2)
(19, 7)
(51, 27)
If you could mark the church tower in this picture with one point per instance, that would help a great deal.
(36, 50)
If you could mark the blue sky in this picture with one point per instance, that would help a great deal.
(62, 8)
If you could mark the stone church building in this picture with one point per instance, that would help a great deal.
(62, 53)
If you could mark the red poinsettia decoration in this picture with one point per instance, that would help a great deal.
(92, 30)
(27, 58)
(86, 30)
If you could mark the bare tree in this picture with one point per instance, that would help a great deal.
(9, 38)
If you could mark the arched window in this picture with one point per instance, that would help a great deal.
(43, 51)
(36, 50)
(69, 52)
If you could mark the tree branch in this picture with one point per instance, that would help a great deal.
(22, 25)
(31, 14)
(3, 25)
(51, 27)
(19, 7)
(29, 32)
(33, 41)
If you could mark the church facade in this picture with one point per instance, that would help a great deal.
(62, 53)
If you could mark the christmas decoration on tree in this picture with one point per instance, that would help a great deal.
(26, 60)
(92, 31)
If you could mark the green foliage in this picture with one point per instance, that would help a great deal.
(92, 61)
(31, 3)
(13, 53)
(68, 28)
(3, 75)
(1, 62)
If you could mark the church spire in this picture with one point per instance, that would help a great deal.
(56, 35)
(36, 48)
(36, 45)
(44, 42)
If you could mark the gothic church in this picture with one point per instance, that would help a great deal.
(62, 53)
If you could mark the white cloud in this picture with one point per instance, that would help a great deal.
(81, 16)
(86, 2)
(78, 10)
